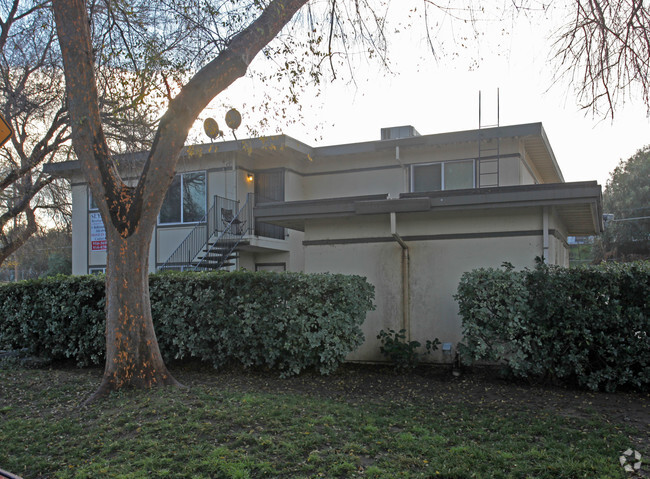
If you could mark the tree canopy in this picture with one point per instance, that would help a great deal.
(627, 198)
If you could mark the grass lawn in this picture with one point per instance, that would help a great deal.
(358, 422)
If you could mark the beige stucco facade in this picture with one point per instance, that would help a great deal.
(410, 214)
(441, 247)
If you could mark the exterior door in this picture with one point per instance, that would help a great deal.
(269, 188)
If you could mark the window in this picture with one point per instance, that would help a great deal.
(185, 199)
(92, 206)
(448, 175)
(96, 270)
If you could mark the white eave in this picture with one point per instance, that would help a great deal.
(532, 134)
(578, 204)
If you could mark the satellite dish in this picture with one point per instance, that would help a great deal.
(211, 128)
(233, 119)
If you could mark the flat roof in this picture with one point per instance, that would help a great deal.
(532, 134)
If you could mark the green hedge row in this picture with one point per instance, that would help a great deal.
(287, 322)
(589, 326)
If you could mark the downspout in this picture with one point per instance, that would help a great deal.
(545, 234)
(406, 316)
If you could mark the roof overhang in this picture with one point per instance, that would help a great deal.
(263, 147)
(579, 205)
(532, 134)
(286, 148)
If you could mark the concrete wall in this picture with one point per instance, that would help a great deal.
(447, 246)
(380, 263)
(79, 229)
(509, 173)
(367, 182)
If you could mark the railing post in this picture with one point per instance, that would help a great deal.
(214, 213)
(251, 220)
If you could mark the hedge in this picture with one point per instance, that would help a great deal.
(588, 326)
(283, 321)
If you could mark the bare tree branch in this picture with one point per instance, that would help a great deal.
(605, 52)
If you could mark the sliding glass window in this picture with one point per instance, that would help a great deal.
(185, 199)
(446, 175)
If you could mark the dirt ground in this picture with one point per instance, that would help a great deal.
(354, 382)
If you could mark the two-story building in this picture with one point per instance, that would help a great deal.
(410, 212)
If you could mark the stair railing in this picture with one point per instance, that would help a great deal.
(197, 240)
(220, 251)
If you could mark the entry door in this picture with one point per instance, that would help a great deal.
(269, 187)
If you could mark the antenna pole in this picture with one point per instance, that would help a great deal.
(479, 108)
(498, 108)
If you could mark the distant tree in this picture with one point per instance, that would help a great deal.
(627, 198)
(45, 253)
(32, 101)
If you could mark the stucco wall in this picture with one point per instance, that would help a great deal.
(445, 246)
(79, 229)
(380, 263)
(374, 181)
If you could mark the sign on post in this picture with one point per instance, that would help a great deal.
(5, 131)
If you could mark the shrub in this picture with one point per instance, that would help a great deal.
(55, 318)
(585, 325)
(402, 354)
(287, 322)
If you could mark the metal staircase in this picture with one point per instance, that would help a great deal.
(213, 243)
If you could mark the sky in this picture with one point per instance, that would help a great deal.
(438, 95)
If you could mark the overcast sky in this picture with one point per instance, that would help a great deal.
(437, 96)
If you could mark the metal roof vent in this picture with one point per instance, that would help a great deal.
(396, 132)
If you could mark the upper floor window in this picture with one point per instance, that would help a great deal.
(185, 199)
(92, 206)
(447, 175)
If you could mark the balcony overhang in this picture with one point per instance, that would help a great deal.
(579, 205)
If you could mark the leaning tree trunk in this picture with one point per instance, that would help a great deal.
(133, 357)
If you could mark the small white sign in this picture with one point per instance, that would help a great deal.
(97, 233)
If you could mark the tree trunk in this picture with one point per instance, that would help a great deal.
(133, 357)
(129, 213)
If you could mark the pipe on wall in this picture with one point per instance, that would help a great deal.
(545, 235)
(406, 300)
(405, 176)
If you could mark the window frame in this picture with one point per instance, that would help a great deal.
(182, 199)
(91, 201)
(442, 173)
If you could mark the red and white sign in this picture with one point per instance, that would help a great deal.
(97, 233)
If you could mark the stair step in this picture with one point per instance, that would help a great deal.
(216, 260)
(215, 257)
(219, 247)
